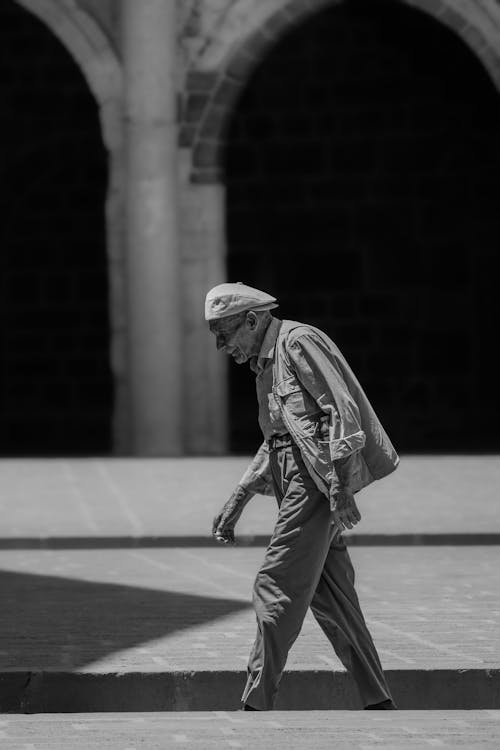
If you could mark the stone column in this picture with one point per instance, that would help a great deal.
(155, 357)
(203, 243)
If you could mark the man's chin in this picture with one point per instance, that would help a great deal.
(239, 357)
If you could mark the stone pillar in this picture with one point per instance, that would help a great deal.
(203, 245)
(155, 357)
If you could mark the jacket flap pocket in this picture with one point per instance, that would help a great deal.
(287, 386)
(343, 447)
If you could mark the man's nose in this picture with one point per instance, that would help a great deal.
(220, 342)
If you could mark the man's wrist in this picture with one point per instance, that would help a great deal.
(241, 494)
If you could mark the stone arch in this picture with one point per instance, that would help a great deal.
(92, 51)
(89, 46)
(211, 97)
(370, 131)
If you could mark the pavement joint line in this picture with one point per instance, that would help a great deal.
(124, 506)
(328, 661)
(199, 579)
(393, 655)
(409, 731)
(227, 717)
(217, 566)
(76, 495)
(421, 641)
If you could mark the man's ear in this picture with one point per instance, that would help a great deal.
(251, 320)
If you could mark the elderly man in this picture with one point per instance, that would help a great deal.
(322, 443)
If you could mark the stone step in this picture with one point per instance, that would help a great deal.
(352, 538)
(301, 690)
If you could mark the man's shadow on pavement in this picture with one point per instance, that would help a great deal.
(65, 624)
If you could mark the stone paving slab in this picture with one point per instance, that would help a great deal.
(161, 610)
(153, 615)
(221, 730)
(179, 497)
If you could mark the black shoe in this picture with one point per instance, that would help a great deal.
(246, 707)
(386, 705)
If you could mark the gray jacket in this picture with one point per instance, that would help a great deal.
(310, 371)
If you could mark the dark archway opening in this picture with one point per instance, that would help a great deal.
(55, 379)
(363, 175)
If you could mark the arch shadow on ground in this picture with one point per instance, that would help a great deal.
(57, 623)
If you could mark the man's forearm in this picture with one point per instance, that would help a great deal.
(257, 478)
(241, 496)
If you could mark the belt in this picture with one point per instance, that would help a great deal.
(276, 442)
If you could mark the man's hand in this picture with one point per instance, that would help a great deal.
(225, 521)
(345, 511)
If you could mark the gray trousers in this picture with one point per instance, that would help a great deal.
(306, 565)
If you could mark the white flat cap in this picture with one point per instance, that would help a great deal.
(229, 299)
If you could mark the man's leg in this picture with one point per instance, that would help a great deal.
(336, 607)
(289, 576)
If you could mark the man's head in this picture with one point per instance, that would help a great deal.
(241, 335)
(238, 315)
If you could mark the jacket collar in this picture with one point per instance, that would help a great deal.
(268, 345)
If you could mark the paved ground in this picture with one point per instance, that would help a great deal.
(76, 617)
(177, 497)
(342, 730)
(190, 609)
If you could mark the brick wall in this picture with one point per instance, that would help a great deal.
(363, 174)
(55, 383)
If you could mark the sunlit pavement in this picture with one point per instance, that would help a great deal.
(221, 730)
(179, 497)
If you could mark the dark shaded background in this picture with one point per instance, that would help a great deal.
(363, 172)
(55, 380)
(363, 167)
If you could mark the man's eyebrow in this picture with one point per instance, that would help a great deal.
(221, 328)
(227, 325)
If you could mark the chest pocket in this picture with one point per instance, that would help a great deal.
(293, 396)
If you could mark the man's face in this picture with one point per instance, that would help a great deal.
(235, 336)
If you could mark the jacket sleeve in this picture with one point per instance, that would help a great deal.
(257, 478)
(317, 370)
